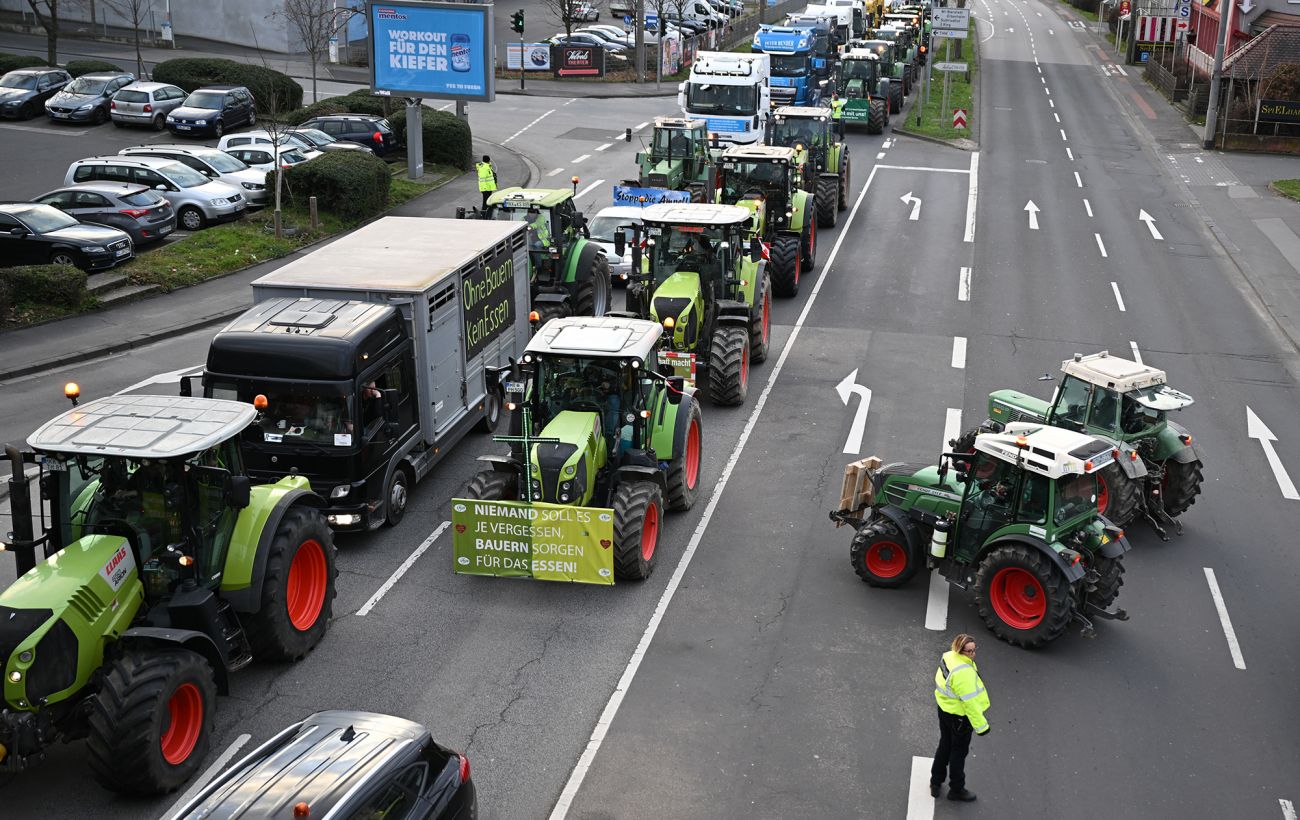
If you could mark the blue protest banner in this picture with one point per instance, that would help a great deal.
(431, 50)
(631, 195)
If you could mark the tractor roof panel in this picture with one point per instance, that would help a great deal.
(1113, 372)
(758, 152)
(527, 197)
(804, 111)
(612, 337)
(860, 54)
(1049, 451)
(679, 123)
(143, 426)
(695, 213)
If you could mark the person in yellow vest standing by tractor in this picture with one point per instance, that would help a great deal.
(487, 178)
(962, 702)
(837, 113)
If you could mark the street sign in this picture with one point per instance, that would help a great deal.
(959, 118)
(960, 68)
(951, 18)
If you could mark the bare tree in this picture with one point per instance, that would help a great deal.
(271, 116)
(315, 22)
(562, 11)
(47, 14)
(135, 12)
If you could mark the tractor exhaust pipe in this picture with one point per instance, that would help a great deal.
(21, 539)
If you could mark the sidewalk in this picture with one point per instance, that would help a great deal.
(93, 335)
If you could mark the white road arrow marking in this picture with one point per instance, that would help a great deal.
(1151, 224)
(846, 389)
(1033, 215)
(915, 202)
(1255, 428)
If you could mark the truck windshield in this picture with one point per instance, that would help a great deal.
(724, 100)
(789, 65)
(1075, 495)
(318, 413)
(686, 248)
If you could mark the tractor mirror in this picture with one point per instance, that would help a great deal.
(460, 212)
(676, 384)
(239, 491)
(620, 243)
(755, 249)
(186, 386)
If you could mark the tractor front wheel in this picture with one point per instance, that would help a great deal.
(638, 510)
(684, 469)
(1180, 486)
(151, 722)
(1119, 497)
(827, 199)
(810, 241)
(846, 180)
(297, 590)
(591, 296)
(876, 116)
(1022, 596)
(786, 265)
(760, 322)
(729, 365)
(880, 555)
(493, 485)
(895, 98)
(1110, 572)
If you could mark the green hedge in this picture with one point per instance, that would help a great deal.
(78, 67)
(353, 185)
(9, 62)
(273, 90)
(46, 284)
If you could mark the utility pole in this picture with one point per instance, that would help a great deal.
(639, 47)
(1216, 78)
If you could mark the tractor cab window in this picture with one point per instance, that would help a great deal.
(751, 179)
(139, 499)
(540, 229)
(1136, 419)
(671, 143)
(791, 131)
(1104, 414)
(858, 70)
(990, 501)
(687, 248)
(602, 386)
(209, 473)
(1075, 495)
(1034, 491)
(1072, 404)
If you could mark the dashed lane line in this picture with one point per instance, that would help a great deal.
(1288, 808)
(603, 147)
(530, 125)
(1078, 180)
(639, 126)
(958, 352)
(920, 805)
(587, 190)
(556, 171)
(1058, 117)
(577, 160)
(1087, 206)
(1119, 300)
(1137, 354)
(936, 600)
(972, 195)
(1101, 246)
(401, 570)
(1069, 153)
(1052, 103)
(963, 285)
(1064, 138)
(881, 155)
(1228, 632)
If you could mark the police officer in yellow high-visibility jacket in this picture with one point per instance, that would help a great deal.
(487, 178)
(837, 113)
(962, 701)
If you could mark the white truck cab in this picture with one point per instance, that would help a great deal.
(730, 92)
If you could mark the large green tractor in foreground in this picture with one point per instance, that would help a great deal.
(709, 288)
(678, 159)
(624, 438)
(864, 91)
(827, 172)
(165, 570)
(570, 273)
(766, 180)
(1156, 473)
(1016, 519)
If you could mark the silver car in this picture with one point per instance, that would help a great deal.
(603, 226)
(145, 103)
(213, 164)
(198, 201)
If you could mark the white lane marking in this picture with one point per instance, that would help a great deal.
(530, 125)
(920, 805)
(1044, 79)
(1119, 300)
(1151, 224)
(607, 715)
(936, 601)
(1035, 61)
(556, 171)
(1088, 206)
(927, 168)
(1137, 355)
(1257, 429)
(571, 100)
(400, 571)
(1069, 153)
(915, 202)
(587, 190)
(958, 353)
(963, 285)
(161, 377)
(858, 428)
(603, 147)
(579, 159)
(1101, 246)
(209, 773)
(1233, 647)
(1032, 210)
(881, 155)
(1121, 70)
(1288, 809)
(639, 126)
(1049, 91)
(1052, 103)
(972, 194)
(1078, 180)
(445, 107)
(1064, 138)
(1040, 68)
(1051, 32)
(1057, 116)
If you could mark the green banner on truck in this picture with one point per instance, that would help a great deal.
(549, 542)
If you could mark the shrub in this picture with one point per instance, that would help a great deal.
(352, 185)
(78, 67)
(6, 298)
(46, 284)
(1283, 83)
(9, 62)
(274, 91)
(358, 102)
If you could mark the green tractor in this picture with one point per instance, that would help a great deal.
(570, 273)
(1156, 473)
(766, 179)
(827, 171)
(165, 570)
(711, 293)
(1016, 519)
(865, 92)
(896, 70)
(904, 59)
(623, 438)
(678, 159)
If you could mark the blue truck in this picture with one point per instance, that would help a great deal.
(798, 70)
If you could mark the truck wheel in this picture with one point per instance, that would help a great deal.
(880, 555)
(827, 199)
(809, 248)
(684, 469)
(729, 365)
(785, 265)
(1118, 496)
(876, 116)
(1180, 486)
(397, 497)
(591, 297)
(1111, 578)
(638, 507)
(846, 180)
(298, 589)
(493, 485)
(760, 322)
(151, 722)
(1022, 597)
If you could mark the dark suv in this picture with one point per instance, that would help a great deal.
(23, 91)
(370, 131)
(213, 110)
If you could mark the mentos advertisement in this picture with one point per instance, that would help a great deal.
(431, 50)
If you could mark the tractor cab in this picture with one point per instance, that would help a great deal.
(678, 157)
(808, 131)
(1115, 397)
(761, 178)
(883, 51)
(899, 36)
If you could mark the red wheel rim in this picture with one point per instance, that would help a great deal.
(812, 239)
(1103, 495)
(184, 723)
(744, 365)
(886, 559)
(692, 455)
(650, 532)
(1018, 598)
(767, 314)
(305, 595)
(798, 264)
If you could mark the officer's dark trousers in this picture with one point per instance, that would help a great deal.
(486, 194)
(950, 757)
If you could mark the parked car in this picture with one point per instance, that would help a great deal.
(604, 225)
(214, 110)
(588, 39)
(347, 765)
(23, 91)
(36, 234)
(583, 11)
(143, 103)
(263, 138)
(610, 34)
(87, 98)
(141, 212)
(263, 158)
(364, 129)
(318, 140)
(198, 201)
(213, 164)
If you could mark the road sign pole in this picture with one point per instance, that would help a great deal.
(947, 76)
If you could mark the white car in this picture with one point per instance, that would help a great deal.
(263, 138)
(261, 158)
(611, 33)
(602, 228)
(581, 10)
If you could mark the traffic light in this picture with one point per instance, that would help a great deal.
(517, 22)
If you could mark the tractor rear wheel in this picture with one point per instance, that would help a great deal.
(880, 555)
(297, 590)
(786, 265)
(1111, 578)
(151, 722)
(846, 180)
(684, 469)
(876, 116)
(810, 240)
(729, 365)
(591, 296)
(1022, 596)
(546, 311)
(827, 199)
(493, 485)
(895, 98)
(1180, 486)
(1119, 497)
(638, 510)
(760, 322)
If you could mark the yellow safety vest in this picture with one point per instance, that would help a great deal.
(959, 690)
(837, 109)
(487, 180)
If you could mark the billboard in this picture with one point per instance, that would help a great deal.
(549, 542)
(431, 50)
(533, 56)
(578, 61)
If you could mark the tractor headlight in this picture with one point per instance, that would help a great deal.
(565, 487)
(537, 487)
(15, 676)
